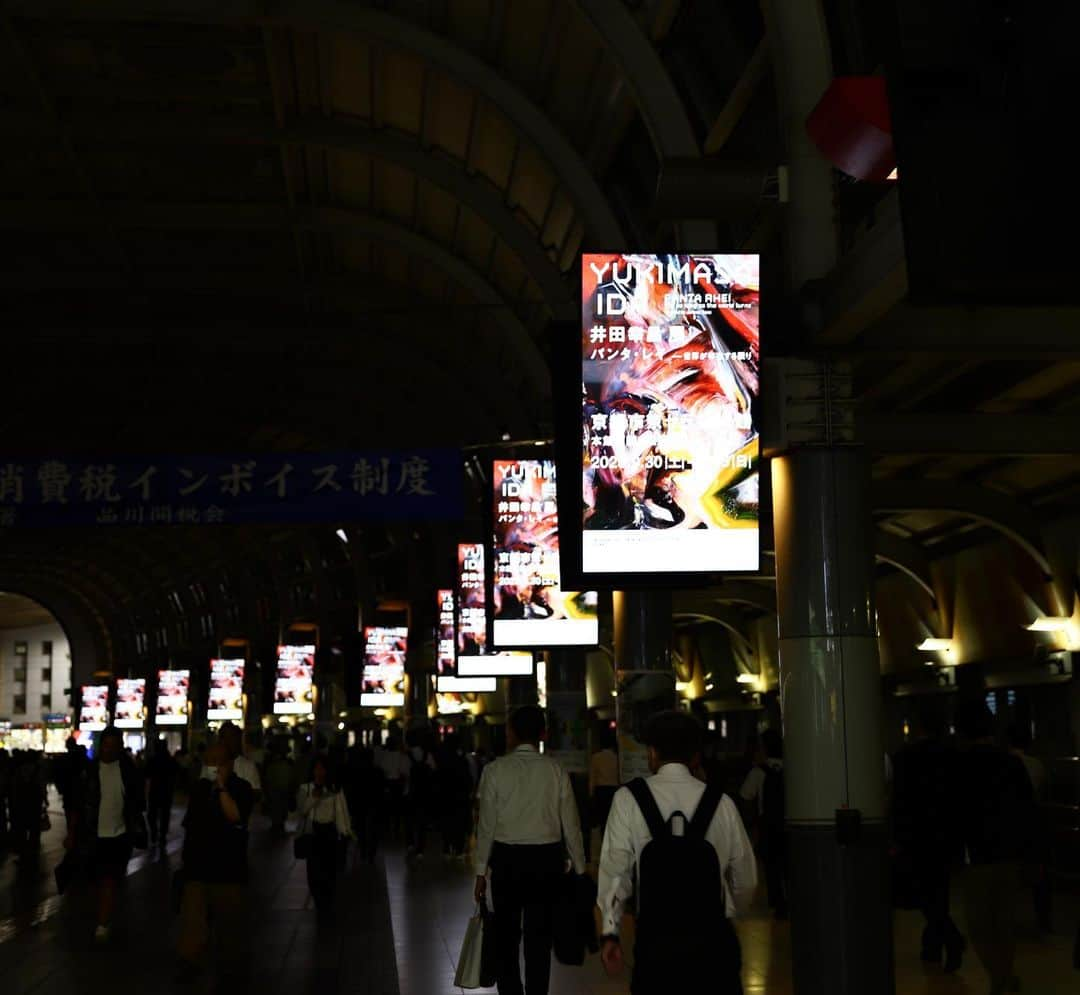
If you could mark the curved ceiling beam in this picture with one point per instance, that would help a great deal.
(63, 215)
(661, 107)
(727, 617)
(472, 190)
(392, 31)
(908, 557)
(992, 508)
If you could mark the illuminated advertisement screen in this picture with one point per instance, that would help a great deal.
(496, 665)
(444, 637)
(670, 359)
(94, 708)
(466, 685)
(172, 697)
(292, 684)
(472, 623)
(529, 605)
(384, 666)
(130, 710)
(226, 701)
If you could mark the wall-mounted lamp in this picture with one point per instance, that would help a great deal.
(747, 678)
(932, 645)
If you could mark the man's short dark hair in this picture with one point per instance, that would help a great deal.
(528, 723)
(110, 732)
(676, 736)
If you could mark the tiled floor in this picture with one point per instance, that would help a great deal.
(399, 932)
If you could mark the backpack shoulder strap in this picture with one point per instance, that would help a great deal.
(649, 809)
(703, 815)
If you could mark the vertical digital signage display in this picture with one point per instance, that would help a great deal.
(130, 710)
(226, 700)
(385, 648)
(670, 360)
(530, 608)
(472, 621)
(292, 684)
(172, 697)
(444, 637)
(94, 708)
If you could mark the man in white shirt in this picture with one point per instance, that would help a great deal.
(230, 737)
(528, 823)
(669, 954)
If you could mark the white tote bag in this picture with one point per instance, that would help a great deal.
(472, 948)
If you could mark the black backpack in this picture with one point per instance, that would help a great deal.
(680, 880)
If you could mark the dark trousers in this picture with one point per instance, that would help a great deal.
(524, 887)
(158, 816)
(774, 856)
(668, 961)
(322, 865)
(940, 930)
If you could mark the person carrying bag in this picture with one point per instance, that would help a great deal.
(325, 824)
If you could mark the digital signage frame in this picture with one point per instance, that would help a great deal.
(471, 600)
(94, 707)
(445, 633)
(657, 392)
(294, 680)
(129, 712)
(508, 663)
(529, 607)
(225, 699)
(466, 685)
(383, 681)
(171, 704)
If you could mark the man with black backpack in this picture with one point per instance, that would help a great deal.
(684, 844)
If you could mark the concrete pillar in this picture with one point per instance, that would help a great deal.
(841, 917)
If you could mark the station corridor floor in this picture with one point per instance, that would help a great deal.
(398, 932)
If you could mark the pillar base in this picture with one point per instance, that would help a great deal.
(841, 914)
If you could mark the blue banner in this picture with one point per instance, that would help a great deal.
(422, 484)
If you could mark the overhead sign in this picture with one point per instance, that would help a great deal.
(472, 619)
(385, 648)
(292, 685)
(94, 708)
(530, 608)
(507, 664)
(423, 484)
(130, 712)
(466, 685)
(444, 636)
(172, 697)
(670, 359)
(226, 702)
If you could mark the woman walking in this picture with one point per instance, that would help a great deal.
(324, 824)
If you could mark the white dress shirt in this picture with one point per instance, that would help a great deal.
(242, 768)
(329, 808)
(526, 798)
(111, 811)
(675, 790)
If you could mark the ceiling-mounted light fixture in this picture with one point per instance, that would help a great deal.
(747, 678)
(342, 535)
(932, 645)
(1051, 623)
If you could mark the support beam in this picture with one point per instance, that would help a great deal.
(907, 557)
(60, 216)
(390, 31)
(948, 434)
(742, 93)
(1012, 519)
(662, 109)
(473, 190)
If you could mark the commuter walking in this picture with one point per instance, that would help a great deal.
(455, 793)
(420, 793)
(5, 786)
(231, 739)
(528, 823)
(996, 813)
(685, 845)
(106, 822)
(1036, 872)
(763, 790)
(279, 781)
(215, 871)
(161, 776)
(925, 833)
(392, 761)
(324, 829)
(603, 783)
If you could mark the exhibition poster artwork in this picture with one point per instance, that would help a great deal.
(171, 708)
(130, 710)
(226, 699)
(671, 355)
(444, 656)
(472, 603)
(293, 683)
(385, 648)
(530, 608)
(94, 708)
